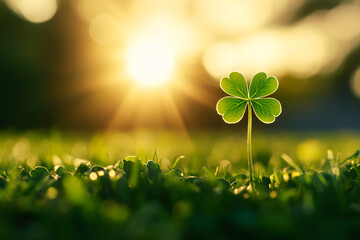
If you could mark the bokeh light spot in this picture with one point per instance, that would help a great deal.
(112, 173)
(273, 194)
(52, 193)
(36, 11)
(21, 149)
(104, 29)
(93, 176)
(310, 151)
(234, 15)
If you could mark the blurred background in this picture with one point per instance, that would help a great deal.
(124, 65)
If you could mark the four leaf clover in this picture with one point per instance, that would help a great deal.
(232, 108)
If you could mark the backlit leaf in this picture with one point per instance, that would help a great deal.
(262, 86)
(266, 109)
(235, 85)
(231, 108)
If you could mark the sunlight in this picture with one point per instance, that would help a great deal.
(150, 60)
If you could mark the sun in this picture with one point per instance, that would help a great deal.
(150, 60)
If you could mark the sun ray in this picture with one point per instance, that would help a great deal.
(197, 93)
(173, 112)
(124, 111)
(155, 109)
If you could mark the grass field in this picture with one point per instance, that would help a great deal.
(168, 185)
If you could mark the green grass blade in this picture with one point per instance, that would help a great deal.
(291, 162)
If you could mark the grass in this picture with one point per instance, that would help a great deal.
(165, 185)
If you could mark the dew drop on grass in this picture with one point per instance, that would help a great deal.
(93, 176)
(112, 173)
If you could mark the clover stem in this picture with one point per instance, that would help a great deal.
(249, 151)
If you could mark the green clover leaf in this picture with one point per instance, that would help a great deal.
(235, 85)
(233, 108)
(266, 109)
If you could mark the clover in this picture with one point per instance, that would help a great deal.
(232, 108)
